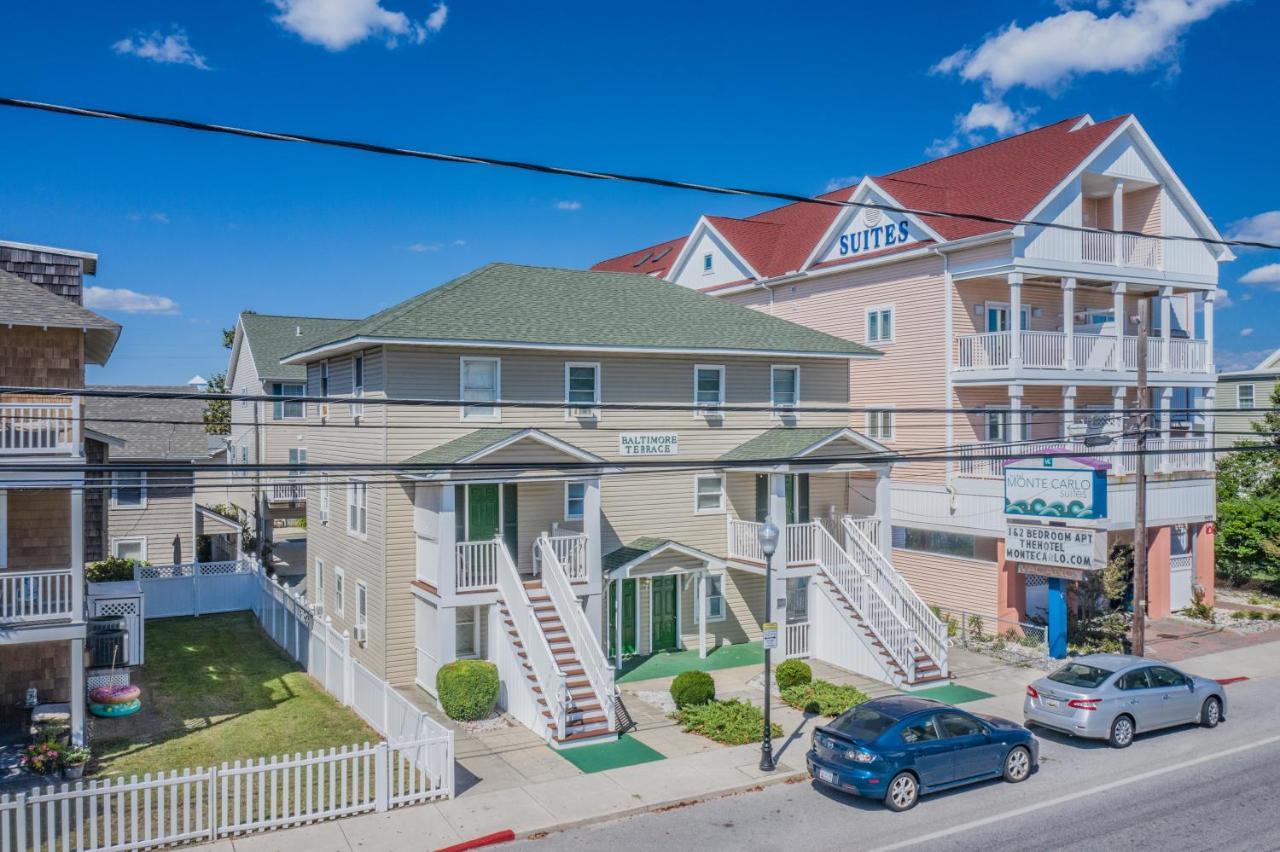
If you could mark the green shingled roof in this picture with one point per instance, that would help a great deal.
(505, 303)
(272, 337)
(778, 443)
(628, 552)
(458, 449)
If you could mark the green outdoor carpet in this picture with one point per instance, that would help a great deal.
(597, 758)
(952, 693)
(671, 663)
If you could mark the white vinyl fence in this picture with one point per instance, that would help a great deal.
(197, 588)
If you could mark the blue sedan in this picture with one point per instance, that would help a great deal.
(899, 747)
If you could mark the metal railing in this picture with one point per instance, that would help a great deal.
(35, 428)
(1006, 638)
(550, 677)
(30, 596)
(476, 565)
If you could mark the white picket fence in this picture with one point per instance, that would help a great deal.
(206, 804)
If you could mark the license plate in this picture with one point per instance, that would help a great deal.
(1051, 703)
(826, 776)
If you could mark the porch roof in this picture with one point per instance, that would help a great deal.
(784, 442)
(622, 561)
(474, 446)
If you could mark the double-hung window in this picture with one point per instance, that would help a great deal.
(1244, 396)
(339, 590)
(784, 387)
(575, 500)
(357, 507)
(466, 631)
(715, 598)
(708, 496)
(708, 390)
(582, 390)
(130, 548)
(880, 324)
(997, 425)
(362, 609)
(357, 384)
(879, 423)
(291, 409)
(480, 382)
(708, 263)
(129, 489)
(320, 582)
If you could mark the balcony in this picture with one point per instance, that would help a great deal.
(32, 428)
(1192, 454)
(476, 562)
(284, 491)
(1056, 350)
(1120, 249)
(744, 543)
(32, 597)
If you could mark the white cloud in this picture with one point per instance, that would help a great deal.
(1262, 228)
(1240, 360)
(172, 48)
(128, 301)
(159, 217)
(459, 243)
(421, 247)
(1246, 332)
(1269, 274)
(994, 116)
(568, 205)
(338, 24)
(841, 182)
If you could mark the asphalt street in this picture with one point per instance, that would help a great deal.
(1184, 788)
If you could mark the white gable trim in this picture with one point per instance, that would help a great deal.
(838, 224)
(623, 571)
(239, 339)
(540, 437)
(704, 226)
(850, 435)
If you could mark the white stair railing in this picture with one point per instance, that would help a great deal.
(571, 550)
(930, 630)
(585, 642)
(543, 662)
(859, 589)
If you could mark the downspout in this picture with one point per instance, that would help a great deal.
(948, 331)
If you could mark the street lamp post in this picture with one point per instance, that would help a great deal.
(768, 546)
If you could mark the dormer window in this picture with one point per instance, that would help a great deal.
(706, 263)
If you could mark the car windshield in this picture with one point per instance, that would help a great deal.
(862, 723)
(1079, 674)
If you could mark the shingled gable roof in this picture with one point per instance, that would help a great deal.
(504, 305)
(152, 429)
(1005, 179)
(273, 336)
(24, 303)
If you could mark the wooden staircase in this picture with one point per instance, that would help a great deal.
(927, 671)
(585, 719)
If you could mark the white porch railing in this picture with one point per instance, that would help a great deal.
(30, 596)
(1097, 247)
(284, 491)
(869, 526)
(800, 543)
(744, 541)
(983, 351)
(1047, 350)
(1134, 250)
(796, 640)
(476, 564)
(929, 630)
(34, 428)
(555, 580)
(987, 460)
(550, 677)
(1186, 454)
(571, 552)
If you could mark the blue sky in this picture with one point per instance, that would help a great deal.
(742, 93)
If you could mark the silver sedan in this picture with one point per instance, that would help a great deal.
(1112, 697)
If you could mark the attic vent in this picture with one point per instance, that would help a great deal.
(297, 331)
(642, 260)
(872, 217)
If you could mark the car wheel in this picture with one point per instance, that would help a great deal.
(1121, 732)
(903, 792)
(1211, 712)
(1017, 764)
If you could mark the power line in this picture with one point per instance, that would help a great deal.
(541, 168)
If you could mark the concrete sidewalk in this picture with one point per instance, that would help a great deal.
(534, 808)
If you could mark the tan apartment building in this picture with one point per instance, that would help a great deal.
(601, 492)
(1246, 391)
(46, 340)
(1017, 338)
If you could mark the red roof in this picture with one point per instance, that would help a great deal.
(1004, 179)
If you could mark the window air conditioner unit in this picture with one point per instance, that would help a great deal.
(324, 410)
(584, 413)
(710, 411)
(360, 633)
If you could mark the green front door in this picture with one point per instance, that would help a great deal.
(663, 614)
(628, 617)
(483, 516)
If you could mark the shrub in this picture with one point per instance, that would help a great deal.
(111, 569)
(730, 722)
(1256, 615)
(692, 688)
(1199, 609)
(793, 673)
(1239, 614)
(823, 698)
(468, 689)
(975, 626)
(1273, 616)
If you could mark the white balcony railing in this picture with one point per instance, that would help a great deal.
(744, 542)
(571, 552)
(1190, 454)
(39, 428)
(477, 565)
(284, 491)
(32, 596)
(1047, 350)
(1133, 250)
(869, 526)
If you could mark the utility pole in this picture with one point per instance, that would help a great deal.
(1140, 488)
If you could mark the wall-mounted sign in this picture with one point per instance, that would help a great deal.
(1056, 547)
(885, 234)
(1056, 487)
(648, 444)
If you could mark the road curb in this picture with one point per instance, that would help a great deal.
(776, 778)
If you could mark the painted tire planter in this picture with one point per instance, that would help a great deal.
(108, 711)
(114, 694)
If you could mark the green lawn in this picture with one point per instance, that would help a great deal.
(216, 689)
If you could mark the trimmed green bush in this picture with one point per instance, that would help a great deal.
(111, 569)
(793, 673)
(730, 722)
(468, 689)
(692, 688)
(823, 698)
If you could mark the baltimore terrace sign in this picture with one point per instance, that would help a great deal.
(1063, 487)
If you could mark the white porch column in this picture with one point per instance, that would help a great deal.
(884, 510)
(591, 526)
(1015, 321)
(1208, 419)
(4, 527)
(1117, 219)
(1163, 298)
(1015, 429)
(1117, 425)
(1068, 409)
(1069, 323)
(618, 586)
(447, 636)
(446, 547)
(1117, 291)
(77, 564)
(1166, 422)
(76, 647)
(778, 514)
(702, 613)
(1209, 298)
